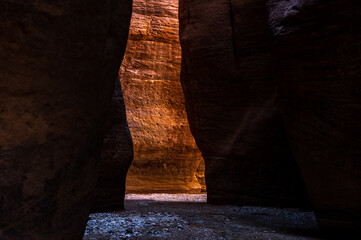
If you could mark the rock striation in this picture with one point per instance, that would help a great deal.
(58, 64)
(166, 157)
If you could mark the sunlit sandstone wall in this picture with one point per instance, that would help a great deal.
(166, 157)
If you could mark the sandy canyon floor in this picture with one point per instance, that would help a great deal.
(187, 216)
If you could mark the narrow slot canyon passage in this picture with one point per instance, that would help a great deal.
(180, 119)
(165, 184)
(152, 136)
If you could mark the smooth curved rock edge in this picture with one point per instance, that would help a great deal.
(233, 104)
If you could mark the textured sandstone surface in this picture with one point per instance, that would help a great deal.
(58, 64)
(233, 104)
(166, 157)
(115, 159)
(319, 50)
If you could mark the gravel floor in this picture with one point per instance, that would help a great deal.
(187, 216)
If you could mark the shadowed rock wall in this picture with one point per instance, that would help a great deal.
(166, 157)
(319, 51)
(233, 104)
(58, 64)
(115, 159)
(240, 114)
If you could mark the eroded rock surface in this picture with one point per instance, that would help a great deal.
(233, 104)
(58, 64)
(319, 50)
(115, 159)
(166, 157)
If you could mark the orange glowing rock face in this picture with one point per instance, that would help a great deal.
(166, 157)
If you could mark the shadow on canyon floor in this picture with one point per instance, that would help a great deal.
(171, 216)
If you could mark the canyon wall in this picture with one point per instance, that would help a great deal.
(319, 54)
(233, 104)
(259, 76)
(58, 64)
(165, 155)
(115, 158)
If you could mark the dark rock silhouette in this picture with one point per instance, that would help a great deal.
(246, 87)
(58, 64)
(116, 157)
(233, 104)
(319, 54)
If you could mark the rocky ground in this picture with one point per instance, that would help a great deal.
(182, 216)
